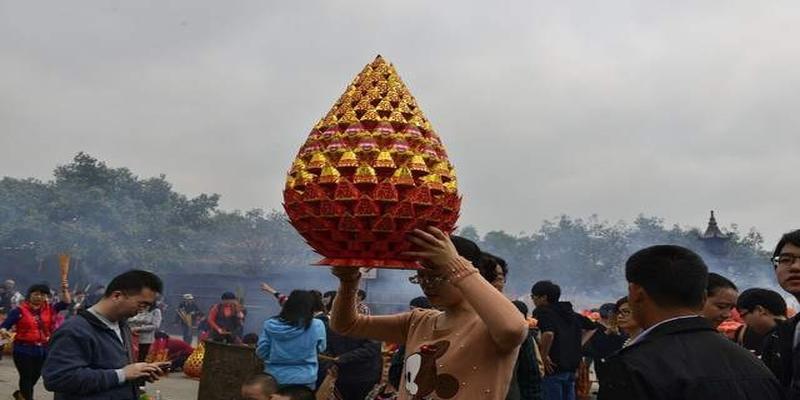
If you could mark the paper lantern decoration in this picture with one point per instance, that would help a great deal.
(8, 347)
(371, 171)
(193, 367)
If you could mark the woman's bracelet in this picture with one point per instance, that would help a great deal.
(459, 269)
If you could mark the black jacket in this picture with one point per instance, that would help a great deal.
(359, 360)
(778, 355)
(567, 327)
(686, 359)
(83, 357)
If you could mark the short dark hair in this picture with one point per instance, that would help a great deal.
(319, 306)
(361, 294)
(717, 282)
(296, 392)
(266, 382)
(467, 249)
(161, 335)
(792, 237)
(606, 309)
(133, 282)
(673, 276)
(228, 296)
(547, 289)
(39, 288)
(619, 303)
(769, 299)
(522, 307)
(298, 310)
(488, 266)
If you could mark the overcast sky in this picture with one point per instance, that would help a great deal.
(614, 108)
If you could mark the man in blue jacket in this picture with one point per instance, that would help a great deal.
(91, 356)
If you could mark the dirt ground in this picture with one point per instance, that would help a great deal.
(174, 387)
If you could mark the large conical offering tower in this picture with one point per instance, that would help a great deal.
(371, 171)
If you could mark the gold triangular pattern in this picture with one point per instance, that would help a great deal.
(376, 94)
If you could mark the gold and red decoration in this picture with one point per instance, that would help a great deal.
(193, 367)
(371, 170)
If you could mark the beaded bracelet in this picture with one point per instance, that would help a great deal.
(460, 269)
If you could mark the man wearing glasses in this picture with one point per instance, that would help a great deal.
(781, 352)
(91, 355)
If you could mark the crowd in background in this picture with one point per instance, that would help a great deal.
(681, 333)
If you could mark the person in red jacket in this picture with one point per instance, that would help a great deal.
(177, 350)
(226, 320)
(34, 320)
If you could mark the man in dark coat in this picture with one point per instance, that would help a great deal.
(359, 364)
(679, 355)
(781, 352)
(91, 356)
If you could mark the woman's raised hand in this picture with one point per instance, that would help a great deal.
(434, 246)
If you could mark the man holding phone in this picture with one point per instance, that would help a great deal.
(91, 356)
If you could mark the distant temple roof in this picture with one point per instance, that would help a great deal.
(713, 231)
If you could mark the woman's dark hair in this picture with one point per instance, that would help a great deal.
(161, 335)
(717, 282)
(769, 299)
(133, 282)
(420, 302)
(792, 237)
(299, 309)
(673, 276)
(548, 289)
(488, 266)
(467, 249)
(39, 288)
(619, 303)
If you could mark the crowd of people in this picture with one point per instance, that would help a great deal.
(682, 332)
